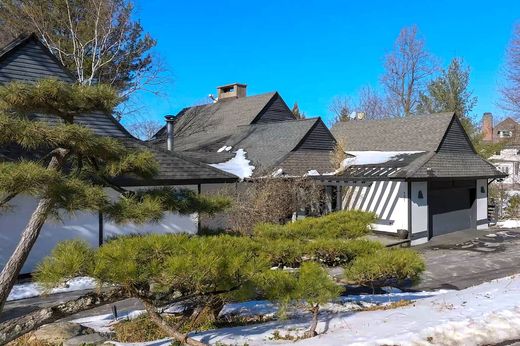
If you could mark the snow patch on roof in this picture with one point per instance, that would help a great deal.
(373, 157)
(224, 148)
(238, 165)
(312, 172)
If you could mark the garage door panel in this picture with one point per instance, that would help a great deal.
(451, 206)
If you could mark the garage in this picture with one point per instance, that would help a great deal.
(452, 206)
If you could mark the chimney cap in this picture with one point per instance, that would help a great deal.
(170, 117)
(232, 85)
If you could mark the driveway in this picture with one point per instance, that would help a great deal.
(468, 258)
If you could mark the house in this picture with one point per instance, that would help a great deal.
(420, 175)
(250, 136)
(27, 59)
(507, 159)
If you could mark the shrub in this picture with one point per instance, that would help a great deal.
(332, 252)
(513, 207)
(385, 265)
(342, 224)
(311, 285)
(68, 259)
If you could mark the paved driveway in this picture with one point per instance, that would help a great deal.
(468, 258)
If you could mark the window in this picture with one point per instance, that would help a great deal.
(505, 134)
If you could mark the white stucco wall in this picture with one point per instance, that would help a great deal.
(388, 199)
(419, 211)
(482, 204)
(80, 225)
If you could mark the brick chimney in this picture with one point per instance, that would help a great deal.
(235, 90)
(487, 127)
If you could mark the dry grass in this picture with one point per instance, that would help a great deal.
(24, 341)
(393, 305)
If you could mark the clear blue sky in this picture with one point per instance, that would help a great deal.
(310, 51)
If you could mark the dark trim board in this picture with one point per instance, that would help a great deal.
(161, 182)
(419, 235)
(482, 222)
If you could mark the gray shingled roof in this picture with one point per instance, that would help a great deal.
(418, 133)
(414, 133)
(204, 127)
(266, 144)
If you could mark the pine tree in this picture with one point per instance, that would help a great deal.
(296, 112)
(67, 167)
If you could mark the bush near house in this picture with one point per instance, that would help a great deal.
(205, 272)
(513, 207)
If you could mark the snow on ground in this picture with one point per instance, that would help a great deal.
(238, 165)
(508, 223)
(30, 289)
(103, 323)
(483, 314)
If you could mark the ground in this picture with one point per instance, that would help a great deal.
(463, 259)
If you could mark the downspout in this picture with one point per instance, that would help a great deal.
(199, 224)
(410, 211)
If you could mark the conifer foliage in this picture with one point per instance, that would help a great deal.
(68, 167)
(203, 273)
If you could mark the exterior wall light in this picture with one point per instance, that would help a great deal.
(420, 195)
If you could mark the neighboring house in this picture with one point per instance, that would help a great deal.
(507, 159)
(27, 59)
(251, 136)
(418, 174)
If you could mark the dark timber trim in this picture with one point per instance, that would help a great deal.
(101, 231)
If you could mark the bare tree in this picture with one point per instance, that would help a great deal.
(341, 107)
(144, 129)
(407, 68)
(373, 104)
(511, 91)
(97, 40)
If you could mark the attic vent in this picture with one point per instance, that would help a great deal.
(235, 90)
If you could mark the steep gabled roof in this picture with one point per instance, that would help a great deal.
(27, 59)
(427, 146)
(262, 125)
(421, 132)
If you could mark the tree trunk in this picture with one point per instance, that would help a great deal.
(15, 263)
(15, 328)
(165, 327)
(314, 322)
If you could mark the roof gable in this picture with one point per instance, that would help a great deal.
(275, 110)
(506, 124)
(27, 59)
(317, 138)
(456, 138)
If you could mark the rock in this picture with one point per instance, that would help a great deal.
(56, 333)
(88, 339)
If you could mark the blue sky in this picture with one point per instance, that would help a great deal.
(311, 51)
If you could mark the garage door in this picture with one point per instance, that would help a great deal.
(451, 206)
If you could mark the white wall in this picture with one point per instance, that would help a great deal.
(77, 226)
(419, 212)
(482, 203)
(388, 199)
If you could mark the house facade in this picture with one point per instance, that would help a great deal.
(507, 159)
(27, 59)
(420, 175)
